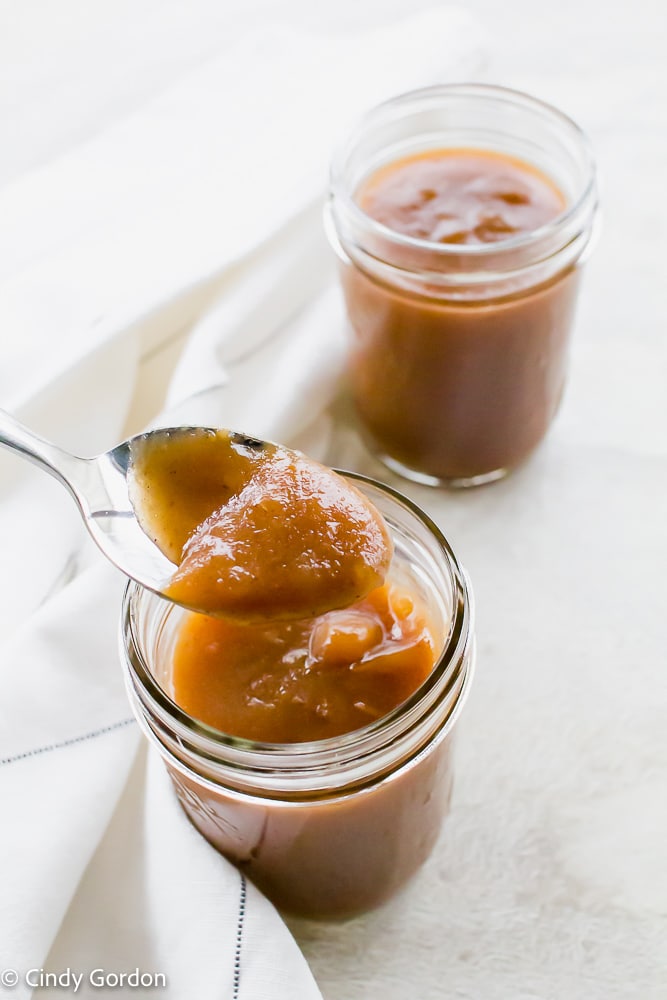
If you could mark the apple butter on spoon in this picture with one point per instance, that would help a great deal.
(258, 532)
(220, 522)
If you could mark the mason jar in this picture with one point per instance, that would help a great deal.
(458, 351)
(333, 827)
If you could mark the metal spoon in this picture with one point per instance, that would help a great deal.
(100, 488)
(225, 568)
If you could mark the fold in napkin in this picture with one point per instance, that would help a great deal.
(204, 204)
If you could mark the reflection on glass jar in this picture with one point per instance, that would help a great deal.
(460, 321)
(333, 827)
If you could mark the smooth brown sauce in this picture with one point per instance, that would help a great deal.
(285, 682)
(310, 638)
(457, 388)
(258, 532)
(460, 196)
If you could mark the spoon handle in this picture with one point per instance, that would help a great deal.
(58, 463)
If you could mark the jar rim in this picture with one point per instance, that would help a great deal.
(449, 669)
(584, 204)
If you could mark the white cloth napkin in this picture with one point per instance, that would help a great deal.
(203, 203)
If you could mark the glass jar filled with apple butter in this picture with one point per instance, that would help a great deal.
(323, 770)
(461, 215)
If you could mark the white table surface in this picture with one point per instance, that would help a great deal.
(550, 879)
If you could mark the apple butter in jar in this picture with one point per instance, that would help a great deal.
(314, 752)
(461, 215)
